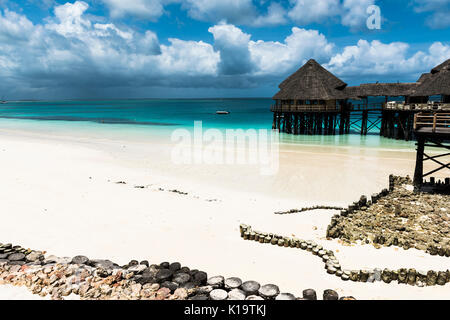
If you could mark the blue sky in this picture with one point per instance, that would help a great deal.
(210, 48)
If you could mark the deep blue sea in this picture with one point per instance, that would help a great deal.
(161, 116)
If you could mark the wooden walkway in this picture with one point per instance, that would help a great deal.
(431, 130)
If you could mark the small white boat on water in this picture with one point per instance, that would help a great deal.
(222, 112)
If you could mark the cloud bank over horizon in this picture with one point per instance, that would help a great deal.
(73, 53)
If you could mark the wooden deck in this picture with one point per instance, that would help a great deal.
(432, 130)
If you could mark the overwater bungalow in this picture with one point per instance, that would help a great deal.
(314, 101)
(309, 101)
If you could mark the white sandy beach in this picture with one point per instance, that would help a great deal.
(58, 193)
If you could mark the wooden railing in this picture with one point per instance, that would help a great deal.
(304, 108)
(433, 121)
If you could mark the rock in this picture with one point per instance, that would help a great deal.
(145, 263)
(253, 297)
(16, 257)
(285, 296)
(170, 285)
(137, 269)
(204, 289)
(80, 260)
(411, 277)
(402, 275)
(175, 266)
(377, 274)
(233, 283)
(218, 294)
(180, 294)
(236, 294)
(34, 256)
(163, 275)
(145, 278)
(363, 276)
(250, 287)
(201, 277)
(431, 278)
(441, 278)
(386, 276)
(269, 291)
(181, 278)
(165, 265)
(330, 295)
(189, 285)
(216, 282)
(106, 264)
(309, 294)
(162, 294)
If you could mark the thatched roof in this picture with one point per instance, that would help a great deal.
(353, 92)
(311, 82)
(424, 77)
(384, 89)
(443, 66)
(437, 84)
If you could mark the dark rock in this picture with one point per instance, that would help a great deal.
(201, 277)
(133, 263)
(181, 278)
(309, 294)
(189, 285)
(411, 277)
(16, 257)
(106, 264)
(145, 263)
(163, 275)
(170, 285)
(165, 265)
(80, 260)
(441, 278)
(250, 287)
(16, 263)
(431, 278)
(269, 291)
(330, 295)
(185, 270)
(402, 275)
(175, 266)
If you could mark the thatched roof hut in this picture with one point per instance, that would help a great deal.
(386, 89)
(424, 77)
(437, 84)
(443, 66)
(311, 82)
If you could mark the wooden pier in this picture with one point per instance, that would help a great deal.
(432, 130)
(313, 101)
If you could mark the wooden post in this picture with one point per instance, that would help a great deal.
(418, 173)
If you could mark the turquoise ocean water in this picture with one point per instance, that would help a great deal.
(145, 118)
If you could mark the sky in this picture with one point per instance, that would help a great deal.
(101, 49)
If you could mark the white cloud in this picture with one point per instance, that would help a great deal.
(310, 11)
(148, 9)
(232, 44)
(279, 58)
(439, 9)
(355, 12)
(386, 60)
